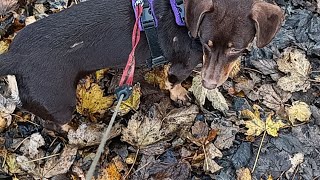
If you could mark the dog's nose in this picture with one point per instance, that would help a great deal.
(209, 85)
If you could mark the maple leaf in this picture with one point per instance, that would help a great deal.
(256, 125)
(214, 96)
(297, 67)
(132, 103)
(299, 111)
(91, 99)
(110, 173)
(145, 130)
(158, 76)
(4, 46)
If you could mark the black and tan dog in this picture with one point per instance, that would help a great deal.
(49, 56)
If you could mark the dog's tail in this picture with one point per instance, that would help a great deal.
(7, 64)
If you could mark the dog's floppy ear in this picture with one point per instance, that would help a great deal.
(268, 19)
(195, 10)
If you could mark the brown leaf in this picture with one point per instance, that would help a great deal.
(267, 67)
(226, 133)
(60, 165)
(200, 131)
(211, 152)
(244, 174)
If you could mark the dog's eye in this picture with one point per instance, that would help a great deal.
(235, 51)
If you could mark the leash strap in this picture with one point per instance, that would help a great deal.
(179, 11)
(128, 72)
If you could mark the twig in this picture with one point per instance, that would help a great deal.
(205, 157)
(249, 69)
(42, 158)
(135, 159)
(259, 150)
(5, 159)
(316, 178)
(295, 172)
(142, 167)
(20, 143)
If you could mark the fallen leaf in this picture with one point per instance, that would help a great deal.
(226, 133)
(28, 166)
(267, 67)
(132, 103)
(110, 173)
(214, 96)
(13, 166)
(91, 134)
(36, 141)
(4, 46)
(270, 177)
(60, 165)
(200, 131)
(211, 152)
(273, 97)
(244, 174)
(158, 76)
(100, 74)
(299, 111)
(142, 131)
(297, 67)
(272, 127)
(236, 68)
(295, 161)
(256, 125)
(91, 99)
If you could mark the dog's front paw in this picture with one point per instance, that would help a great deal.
(180, 95)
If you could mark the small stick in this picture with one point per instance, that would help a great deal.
(259, 150)
(42, 158)
(135, 159)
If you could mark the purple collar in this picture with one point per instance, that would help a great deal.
(177, 8)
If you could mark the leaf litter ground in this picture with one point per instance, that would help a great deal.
(264, 123)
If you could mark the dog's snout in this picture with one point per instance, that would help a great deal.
(209, 85)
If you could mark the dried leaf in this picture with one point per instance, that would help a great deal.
(60, 165)
(267, 67)
(236, 68)
(200, 131)
(211, 152)
(132, 103)
(4, 46)
(145, 130)
(214, 96)
(297, 67)
(36, 141)
(273, 97)
(299, 111)
(295, 161)
(100, 74)
(110, 173)
(91, 134)
(91, 99)
(256, 125)
(158, 76)
(12, 164)
(244, 174)
(28, 166)
(226, 133)
(273, 127)
(142, 131)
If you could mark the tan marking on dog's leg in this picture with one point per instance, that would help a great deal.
(177, 92)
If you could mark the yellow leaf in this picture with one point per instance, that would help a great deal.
(270, 177)
(132, 103)
(4, 45)
(299, 111)
(158, 77)
(256, 125)
(12, 164)
(236, 68)
(100, 74)
(244, 174)
(110, 173)
(91, 99)
(273, 127)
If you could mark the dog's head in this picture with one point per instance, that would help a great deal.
(226, 28)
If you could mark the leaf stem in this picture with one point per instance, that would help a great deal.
(259, 150)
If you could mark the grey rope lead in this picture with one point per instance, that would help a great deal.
(103, 141)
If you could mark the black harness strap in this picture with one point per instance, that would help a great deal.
(149, 26)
